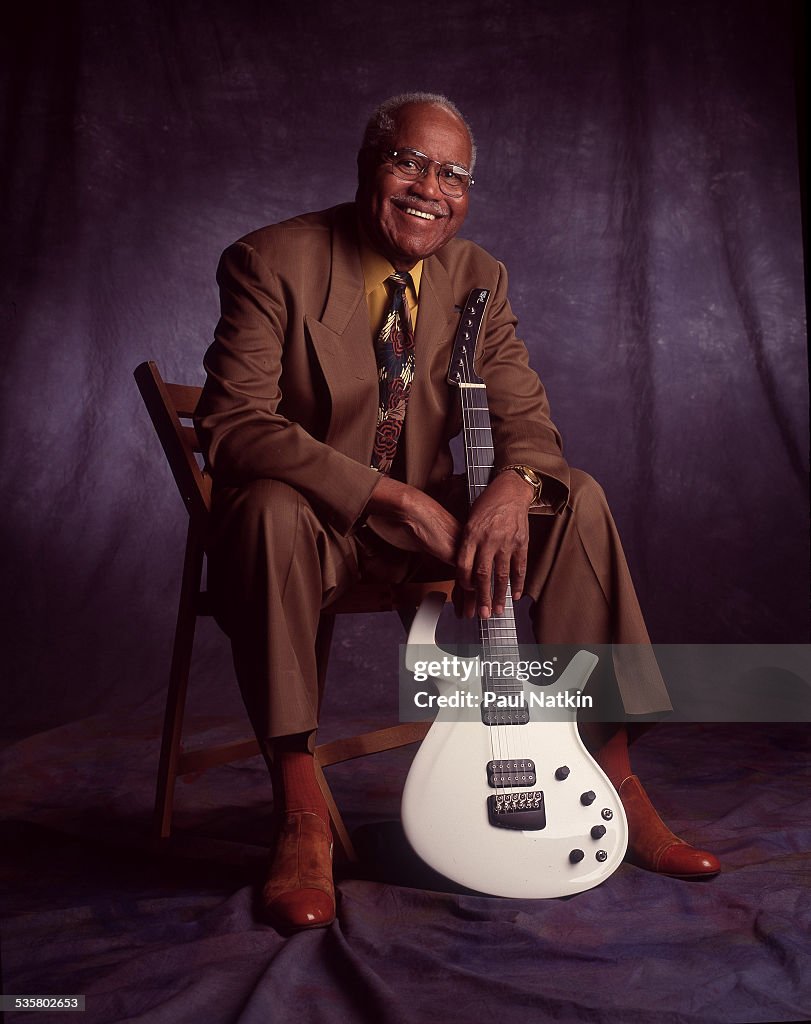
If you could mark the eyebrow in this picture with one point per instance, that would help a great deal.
(419, 152)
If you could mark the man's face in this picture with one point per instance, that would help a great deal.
(390, 208)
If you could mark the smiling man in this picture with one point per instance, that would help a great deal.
(327, 421)
(402, 207)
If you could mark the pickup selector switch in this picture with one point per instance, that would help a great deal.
(588, 797)
(601, 856)
(562, 773)
(576, 856)
(597, 831)
(607, 814)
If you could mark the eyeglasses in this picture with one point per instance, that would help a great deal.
(411, 165)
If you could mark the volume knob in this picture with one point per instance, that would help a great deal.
(562, 773)
(597, 831)
(576, 856)
(588, 797)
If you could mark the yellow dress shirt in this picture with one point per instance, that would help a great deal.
(376, 269)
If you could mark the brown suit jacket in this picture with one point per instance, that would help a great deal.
(292, 392)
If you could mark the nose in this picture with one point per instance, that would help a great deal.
(427, 184)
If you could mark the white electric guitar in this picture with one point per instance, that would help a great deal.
(501, 799)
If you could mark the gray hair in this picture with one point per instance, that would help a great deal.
(383, 122)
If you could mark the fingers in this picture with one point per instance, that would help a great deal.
(501, 579)
(483, 586)
(486, 566)
(518, 573)
(483, 574)
(410, 519)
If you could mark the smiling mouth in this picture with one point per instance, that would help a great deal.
(404, 206)
(419, 213)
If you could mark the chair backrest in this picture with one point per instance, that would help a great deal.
(168, 406)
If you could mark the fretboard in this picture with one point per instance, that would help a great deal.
(498, 633)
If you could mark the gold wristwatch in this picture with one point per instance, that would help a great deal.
(531, 478)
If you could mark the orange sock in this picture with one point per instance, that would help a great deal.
(294, 784)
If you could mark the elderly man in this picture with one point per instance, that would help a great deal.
(327, 420)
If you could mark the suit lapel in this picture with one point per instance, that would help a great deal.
(342, 340)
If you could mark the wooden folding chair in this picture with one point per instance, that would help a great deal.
(168, 406)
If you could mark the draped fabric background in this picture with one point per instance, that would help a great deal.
(637, 174)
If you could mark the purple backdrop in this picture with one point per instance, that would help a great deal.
(637, 173)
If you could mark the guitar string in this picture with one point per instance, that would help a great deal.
(468, 414)
(493, 639)
(502, 739)
(469, 424)
(499, 646)
(499, 640)
(491, 630)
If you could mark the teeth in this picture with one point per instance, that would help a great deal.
(419, 213)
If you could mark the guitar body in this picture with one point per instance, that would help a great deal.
(445, 801)
(505, 799)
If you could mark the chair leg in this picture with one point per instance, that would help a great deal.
(178, 685)
(340, 833)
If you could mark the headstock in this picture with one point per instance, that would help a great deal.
(461, 372)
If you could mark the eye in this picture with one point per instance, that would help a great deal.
(453, 175)
(407, 163)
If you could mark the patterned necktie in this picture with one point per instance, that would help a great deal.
(395, 372)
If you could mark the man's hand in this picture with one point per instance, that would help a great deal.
(409, 519)
(493, 550)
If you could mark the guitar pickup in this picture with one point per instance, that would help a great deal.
(522, 811)
(507, 716)
(501, 774)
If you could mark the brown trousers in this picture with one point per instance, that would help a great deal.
(274, 565)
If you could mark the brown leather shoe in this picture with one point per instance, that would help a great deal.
(299, 892)
(651, 844)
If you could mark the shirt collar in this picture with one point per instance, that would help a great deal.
(376, 269)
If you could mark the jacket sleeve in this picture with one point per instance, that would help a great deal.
(523, 433)
(242, 431)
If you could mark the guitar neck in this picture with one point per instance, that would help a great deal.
(498, 633)
(478, 438)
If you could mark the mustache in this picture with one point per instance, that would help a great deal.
(423, 205)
